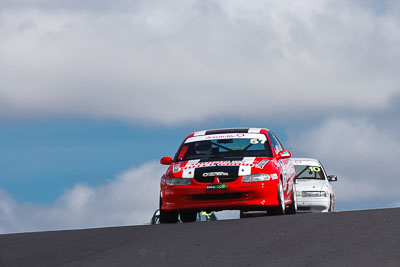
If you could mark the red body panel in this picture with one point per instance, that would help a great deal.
(240, 195)
(237, 195)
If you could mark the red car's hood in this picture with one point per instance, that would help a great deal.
(222, 167)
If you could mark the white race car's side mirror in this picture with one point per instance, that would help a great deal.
(332, 178)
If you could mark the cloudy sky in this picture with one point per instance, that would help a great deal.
(93, 93)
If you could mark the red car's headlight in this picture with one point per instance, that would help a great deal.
(255, 178)
(178, 181)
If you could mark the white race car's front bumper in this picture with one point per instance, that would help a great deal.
(313, 204)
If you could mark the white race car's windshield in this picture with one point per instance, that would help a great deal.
(223, 148)
(309, 172)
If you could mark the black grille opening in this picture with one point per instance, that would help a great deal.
(204, 179)
(217, 196)
(227, 179)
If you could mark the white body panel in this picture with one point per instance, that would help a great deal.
(313, 203)
(307, 203)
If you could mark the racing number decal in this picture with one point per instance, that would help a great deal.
(255, 141)
(314, 169)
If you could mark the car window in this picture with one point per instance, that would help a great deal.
(309, 172)
(323, 169)
(275, 143)
(279, 142)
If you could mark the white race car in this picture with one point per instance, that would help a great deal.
(313, 186)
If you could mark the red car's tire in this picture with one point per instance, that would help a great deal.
(280, 209)
(188, 216)
(168, 216)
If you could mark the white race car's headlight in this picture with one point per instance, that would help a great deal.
(313, 194)
(255, 178)
(178, 181)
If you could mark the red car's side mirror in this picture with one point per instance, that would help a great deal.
(166, 161)
(284, 154)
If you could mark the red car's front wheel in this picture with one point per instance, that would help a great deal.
(280, 209)
(167, 216)
(188, 216)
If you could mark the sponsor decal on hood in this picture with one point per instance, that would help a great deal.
(206, 174)
(219, 167)
(216, 163)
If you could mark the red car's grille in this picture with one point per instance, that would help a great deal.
(217, 196)
(211, 179)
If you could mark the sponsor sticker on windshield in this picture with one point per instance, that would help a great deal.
(256, 137)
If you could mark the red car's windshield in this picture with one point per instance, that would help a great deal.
(223, 148)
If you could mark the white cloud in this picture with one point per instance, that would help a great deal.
(363, 155)
(175, 61)
(129, 199)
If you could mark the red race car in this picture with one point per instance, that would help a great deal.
(243, 169)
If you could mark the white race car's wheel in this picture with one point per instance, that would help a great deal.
(280, 209)
(293, 207)
(331, 205)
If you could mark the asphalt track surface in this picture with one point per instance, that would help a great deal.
(353, 238)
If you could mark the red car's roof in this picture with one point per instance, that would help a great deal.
(228, 130)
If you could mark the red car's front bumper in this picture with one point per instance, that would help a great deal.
(237, 195)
